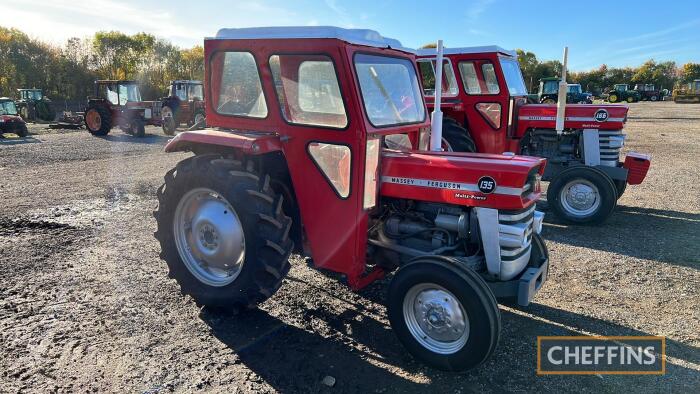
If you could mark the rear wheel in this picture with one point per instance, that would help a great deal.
(445, 315)
(613, 98)
(98, 120)
(222, 232)
(582, 195)
(456, 138)
(549, 100)
(654, 98)
(168, 120)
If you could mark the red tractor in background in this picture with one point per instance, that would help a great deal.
(184, 104)
(318, 148)
(118, 103)
(486, 110)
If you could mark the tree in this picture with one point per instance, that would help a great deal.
(690, 72)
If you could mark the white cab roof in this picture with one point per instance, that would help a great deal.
(364, 37)
(459, 51)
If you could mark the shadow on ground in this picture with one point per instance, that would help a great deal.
(358, 350)
(646, 233)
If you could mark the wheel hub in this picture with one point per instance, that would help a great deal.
(580, 197)
(436, 318)
(209, 237)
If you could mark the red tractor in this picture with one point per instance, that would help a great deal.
(184, 104)
(118, 103)
(317, 148)
(486, 110)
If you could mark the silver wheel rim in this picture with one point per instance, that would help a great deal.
(580, 198)
(209, 237)
(436, 318)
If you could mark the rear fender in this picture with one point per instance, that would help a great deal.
(246, 143)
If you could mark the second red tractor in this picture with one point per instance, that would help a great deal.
(486, 110)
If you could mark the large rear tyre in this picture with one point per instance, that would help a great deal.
(445, 315)
(549, 100)
(98, 120)
(456, 138)
(582, 195)
(222, 232)
(168, 120)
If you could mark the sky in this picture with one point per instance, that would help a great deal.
(617, 33)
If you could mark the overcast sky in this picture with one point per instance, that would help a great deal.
(617, 33)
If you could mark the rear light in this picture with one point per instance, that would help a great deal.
(371, 165)
(424, 138)
(491, 112)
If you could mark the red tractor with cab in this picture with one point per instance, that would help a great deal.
(184, 104)
(317, 147)
(118, 103)
(486, 110)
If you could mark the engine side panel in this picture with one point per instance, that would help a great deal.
(577, 116)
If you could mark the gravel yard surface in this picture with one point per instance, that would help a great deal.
(86, 305)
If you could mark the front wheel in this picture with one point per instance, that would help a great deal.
(168, 121)
(630, 99)
(22, 131)
(138, 128)
(620, 187)
(222, 232)
(653, 98)
(445, 315)
(582, 195)
(613, 98)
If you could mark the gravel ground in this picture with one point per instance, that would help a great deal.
(85, 304)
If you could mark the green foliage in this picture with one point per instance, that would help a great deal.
(69, 71)
(533, 69)
(690, 72)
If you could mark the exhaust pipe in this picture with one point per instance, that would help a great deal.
(561, 99)
(436, 119)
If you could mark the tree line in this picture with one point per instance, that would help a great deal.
(68, 71)
(664, 75)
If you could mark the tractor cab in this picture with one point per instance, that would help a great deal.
(621, 87)
(33, 105)
(118, 93)
(317, 145)
(622, 92)
(184, 104)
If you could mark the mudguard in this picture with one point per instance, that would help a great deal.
(248, 142)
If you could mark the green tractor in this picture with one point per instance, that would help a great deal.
(549, 92)
(622, 92)
(689, 93)
(33, 105)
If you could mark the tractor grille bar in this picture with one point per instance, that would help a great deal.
(610, 144)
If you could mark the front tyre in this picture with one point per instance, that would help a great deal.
(613, 98)
(445, 315)
(582, 195)
(168, 120)
(222, 232)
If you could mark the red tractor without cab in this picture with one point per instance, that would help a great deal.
(184, 104)
(486, 110)
(318, 148)
(118, 103)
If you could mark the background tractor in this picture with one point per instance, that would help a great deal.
(298, 161)
(118, 103)
(10, 121)
(690, 93)
(548, 92)
(33, 105)
(486, 110)
(647, 91)
(621, 92)
(184, 104)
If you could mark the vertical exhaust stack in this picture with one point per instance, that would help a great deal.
(561, 102)
(436, 119)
